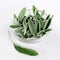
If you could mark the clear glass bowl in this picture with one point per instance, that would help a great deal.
(15, 38)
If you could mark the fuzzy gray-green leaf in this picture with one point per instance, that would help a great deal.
(40, 33)
(48, 17)
(35, 11)
(48, 22)
(47, 30)
(24, 25)
(36, 23)
(40, 24)
(25, 50)
(15, 17)
(31, 27)
(43, 12)
(19, 32)
(21, 14)
(14, 26)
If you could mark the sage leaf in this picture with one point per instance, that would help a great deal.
(48, 22)
(15, 17)
(19, 32)
(29, 35)
(25, 50)
(40, 33)
(40, 24)
(24, 25)
(47, 30)
(35, 11)
(43, 12)
(36, 23)
(14, 26)
(48, 17)
(31, 27)
(21, 14)
(15, 22)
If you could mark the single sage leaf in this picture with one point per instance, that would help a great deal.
(48, 22)
(19, 32)
(35, 11)
(29, 34)
(36, 23)
(48, 17)
(15, 17)
(40, 33)
(20, 28)
(21, 14)
(14, 26)
(40, 24)
(25, 50)
(31, 27)
(24, 25)
(15, 22)
(43, 12)
(47, 30)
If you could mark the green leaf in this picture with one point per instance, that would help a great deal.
(48, 17)
(43, 12)
(24, 25)
(14, 26)
(35, 11)
(31, 27)
(21, 14)
(29, 34)
(19, 32)
(25, 50)
(40, 33)
(48, 22)
(15, 22)
(15, 17)
(47, 30)
(40, 24)
(36, 24)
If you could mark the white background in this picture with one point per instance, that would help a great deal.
(49, 49)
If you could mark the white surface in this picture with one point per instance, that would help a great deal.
(49, 48)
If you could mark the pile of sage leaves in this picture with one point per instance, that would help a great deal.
(31, 26)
